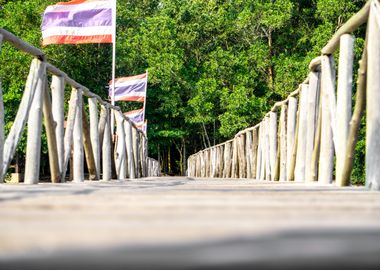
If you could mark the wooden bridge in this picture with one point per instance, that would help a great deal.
(267, 198)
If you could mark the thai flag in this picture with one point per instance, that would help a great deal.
(79, 21)
(136, 116)
(143, 127)
(131, 88)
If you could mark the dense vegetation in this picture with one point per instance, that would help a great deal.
(215, 66)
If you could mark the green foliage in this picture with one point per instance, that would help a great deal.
(215, 66)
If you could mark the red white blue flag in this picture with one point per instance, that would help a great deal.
(131, 88)
(143, 127)
(79, 21)
(136, 116)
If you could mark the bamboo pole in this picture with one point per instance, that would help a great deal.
(373, 101)
(106, 149)
(272, 143)
(254, 152)
(129, 147)
(57, 92)
(299, 175)
(68, 140)
(327, 146)
(94, 133)
(33, 148)
(51, 136)
(78, 155)
(36, 70)
(312, 105)
(290, 135)
(344, 101)
(87, 145)
(283, 154)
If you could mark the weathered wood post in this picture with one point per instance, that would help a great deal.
(221, 160)
(268, 172)
(283, 153)
(213, 158)
(373, 101)
(199, 165)
(33, 148)
(136, 156)
(312, 108)
(95, 143)
(272, 143)
(106, 148)
(78, 159)
(249, 153)
(121, 162)
(242, 160)
(299, 175)
(89, 154)
(57, 98)
(255, 142)
(344, 101)
(227, 160)
(51, 135)
(290, 135)
(326, 162)
(235, 162)
(1, 127)
(68, 140)
(129, 146)
(259, 152)
(37, 69)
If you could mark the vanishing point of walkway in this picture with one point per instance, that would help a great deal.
(183, 223)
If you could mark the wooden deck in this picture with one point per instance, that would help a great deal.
(182, 223)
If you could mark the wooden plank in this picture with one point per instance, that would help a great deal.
(57, 93)
(87, 145)
(51, 136)
(373, 101)
(78, 154)
(299, 175)
(290, 135)
(283, 153)
(106, 149)
(326, 162)
(14, 135)
(33, 148)
(344, 101)
(312, 108)
(94, 133)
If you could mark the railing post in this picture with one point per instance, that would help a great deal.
(135, 144)
(273, 143)
(373, 101)
(249, 153)
(78, 155)
(94, 122)
(344, 101)
(106, 148)
(129, 146)
(242, 156)
(33, 149)
(121, 150)
(299, 175)
(227, 160)
(1, 129)
(259, 152)
(312, 108)
(51, 135)
(290, 136)
(327, 145)
(57, 91)
(267, 153)
(283, 154)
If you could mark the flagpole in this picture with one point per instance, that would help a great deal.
(113, 62)
(146, 94)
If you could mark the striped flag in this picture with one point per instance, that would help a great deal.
(131, 88)
(143, 126)
(136, 116)
(79, 21)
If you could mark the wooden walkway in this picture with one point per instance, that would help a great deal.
(182, 223)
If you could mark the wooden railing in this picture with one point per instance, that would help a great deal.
(301, 143)
(124, 155)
